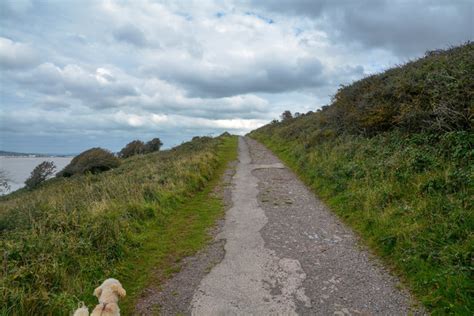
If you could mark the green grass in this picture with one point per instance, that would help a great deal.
(185, 232)
(412, 206)
(392, 155)
(62, 239)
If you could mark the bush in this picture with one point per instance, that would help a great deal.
(4, 186)
(153, 145)
(285, 116)
(133, 148)
(40, 174)
(432, 94)
(94, 160)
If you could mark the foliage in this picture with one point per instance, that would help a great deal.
(62, 239)
(39, 174)
(133, 148)
(434, 94)
(138, 147)
(392, 156)
(4, 186)
(94, 160)
(286, 115)
(153, 145)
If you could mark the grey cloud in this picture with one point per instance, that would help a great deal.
(72, 81)
(15, 55)
(405, 27)
(9, 9)
(53, 105)
(179, 77)
(266, 75)
(130, 34)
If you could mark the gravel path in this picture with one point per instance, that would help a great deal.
(285, 253)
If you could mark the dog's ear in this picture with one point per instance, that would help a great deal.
(119, 290)
(98, 291)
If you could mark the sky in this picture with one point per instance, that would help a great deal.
(82, 74)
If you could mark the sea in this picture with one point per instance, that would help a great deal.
(18, 169)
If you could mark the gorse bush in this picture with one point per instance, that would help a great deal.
(94, 160)
(153, 145)
(137, 147)
(392, 156)
(432, 94)
(39, 174)
(133, 148)
(58, 241)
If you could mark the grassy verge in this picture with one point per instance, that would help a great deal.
(409, 196)
(61, 240)
(184, 232)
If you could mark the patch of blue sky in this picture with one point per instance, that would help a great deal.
(261, 17)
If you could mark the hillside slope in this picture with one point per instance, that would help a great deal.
(61, 240)
(392, 156)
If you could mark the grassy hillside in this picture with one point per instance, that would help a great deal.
(393, 157)
(61, 240)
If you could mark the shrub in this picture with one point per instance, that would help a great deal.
(432, 94)
(153, 145)
(285, 116)
(40, 174)
(133, 148)
(4, 186)
(94, 160)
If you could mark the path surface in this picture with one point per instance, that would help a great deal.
(285, 253)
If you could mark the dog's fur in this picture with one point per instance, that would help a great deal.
(108, 294)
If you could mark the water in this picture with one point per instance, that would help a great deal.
(18, 169)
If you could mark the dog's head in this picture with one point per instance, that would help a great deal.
(111, 285)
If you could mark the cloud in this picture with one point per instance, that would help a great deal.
(14, 55)
(261, 74)
(98, 89)
(405, 27)
(9, 9)
(78, 74)
(130, 34)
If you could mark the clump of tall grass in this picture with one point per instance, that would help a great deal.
(58, 240)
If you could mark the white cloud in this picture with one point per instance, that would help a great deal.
(15, 55)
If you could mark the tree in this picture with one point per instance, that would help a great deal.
(40, 174)
(286, 116)
(133, 148)
(4, 186)
(153, 145)
(94, 160)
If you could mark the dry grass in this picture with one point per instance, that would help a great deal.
(63, 238)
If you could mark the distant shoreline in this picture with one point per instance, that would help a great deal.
(37, 156)
(11, 154)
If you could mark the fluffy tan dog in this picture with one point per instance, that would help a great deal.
(108, 294)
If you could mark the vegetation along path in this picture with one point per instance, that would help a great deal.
(284, 253)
